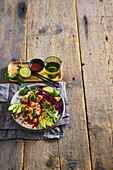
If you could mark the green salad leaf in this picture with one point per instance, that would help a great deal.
(7, 76)
(35, 99)
(16, 77)
(26, 118)
(27, 88)
(23, 91)
(35, 90)
(34, 114)
(29, 98)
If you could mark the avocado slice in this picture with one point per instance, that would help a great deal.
(43, 123)
(19, 109)
(15, 109)
(40, 118)
(49, 123)
(45, 120)
(13, 106)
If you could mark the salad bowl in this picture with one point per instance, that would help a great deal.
(46, 115)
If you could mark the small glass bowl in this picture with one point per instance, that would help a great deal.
(36, 65)
(52, 66)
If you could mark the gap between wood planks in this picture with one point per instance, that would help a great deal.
(85, 100)
(59, 156)
(23, 156)
(26, 50)
(26, 29)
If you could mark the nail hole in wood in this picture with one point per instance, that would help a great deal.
(109, 62)
(106, 38)
(82, 64)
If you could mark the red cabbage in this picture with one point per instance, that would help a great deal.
(58, 105)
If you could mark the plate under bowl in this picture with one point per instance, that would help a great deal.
(16, 99)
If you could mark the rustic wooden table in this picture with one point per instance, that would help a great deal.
(80, 32)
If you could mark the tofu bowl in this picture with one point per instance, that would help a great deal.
(37, 107)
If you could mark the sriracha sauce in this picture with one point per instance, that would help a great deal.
(36, 66)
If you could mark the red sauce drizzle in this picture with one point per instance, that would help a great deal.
(18, 116)
(36, 66)
(23, 121)
(33, 126)
(29, 121)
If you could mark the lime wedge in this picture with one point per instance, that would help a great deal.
(25, 72)
(48, 89)
(57, 98)
(54, 93)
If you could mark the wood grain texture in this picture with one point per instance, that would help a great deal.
(96, 40)
(12, 33)
(12, 48)
(52, 30)
(73, 148)
(49, 33)
(11, 154)
(41, 155)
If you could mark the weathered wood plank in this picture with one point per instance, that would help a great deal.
(74, 152)
(11, 154)
(12, 48)
(12, 33)
(96, 40)
(52, 30)
(41, 155)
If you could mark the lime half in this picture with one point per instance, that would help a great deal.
(25, 72)
(48, 89)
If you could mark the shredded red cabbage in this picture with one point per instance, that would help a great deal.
(46, 97)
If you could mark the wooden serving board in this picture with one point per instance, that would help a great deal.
(12, 67)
